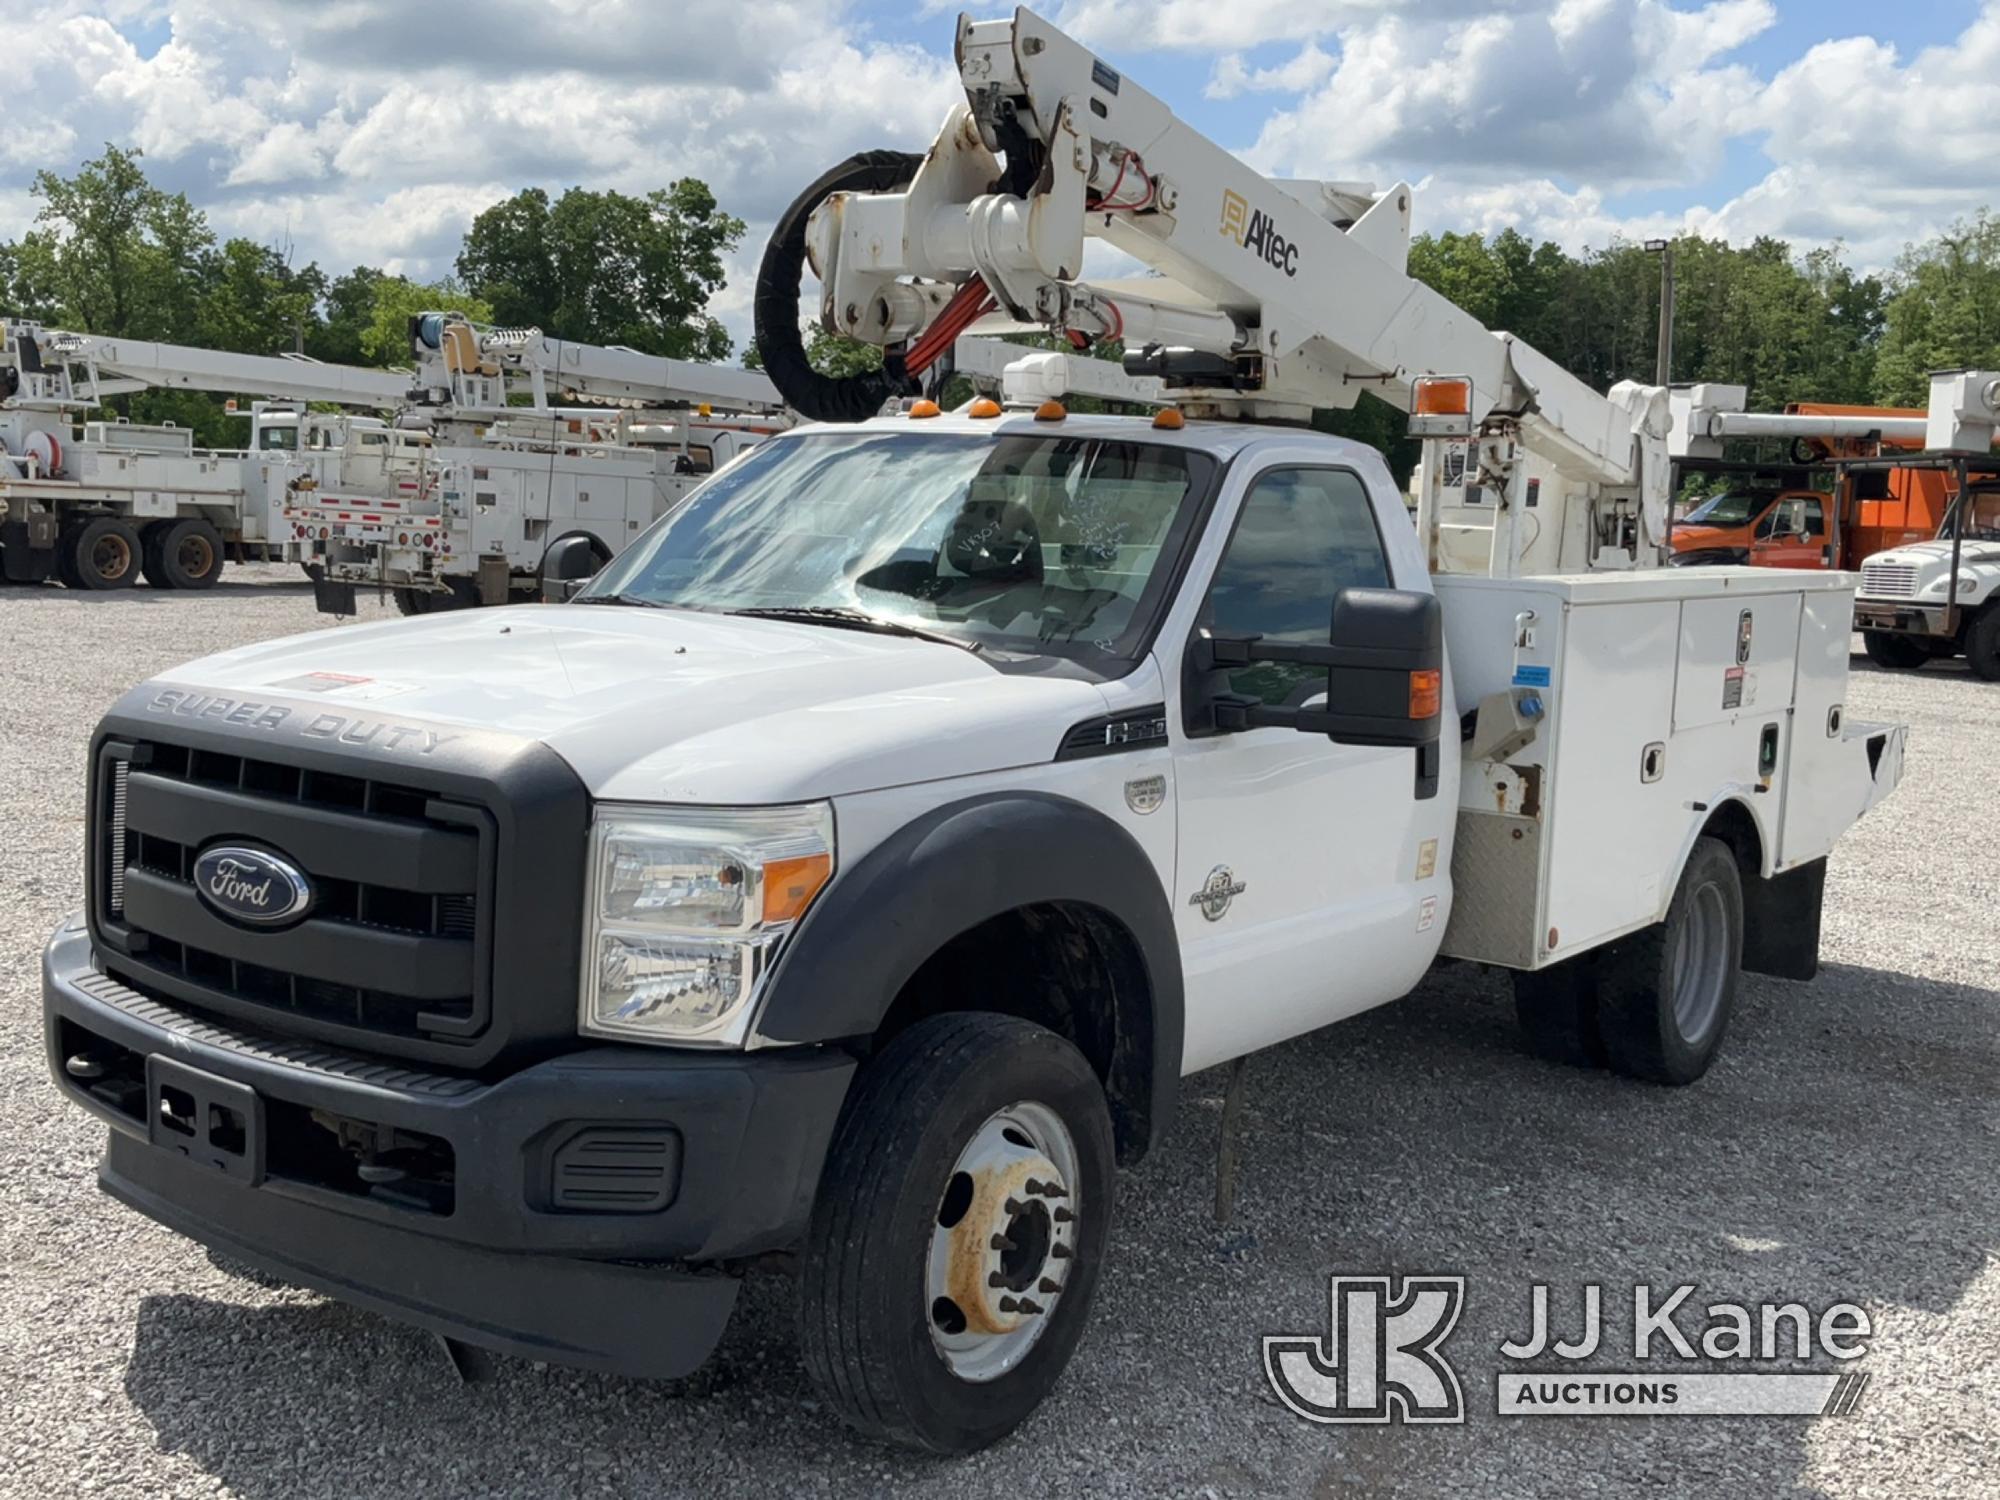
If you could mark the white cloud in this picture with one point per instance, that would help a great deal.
(371, 131)
(1307, 67)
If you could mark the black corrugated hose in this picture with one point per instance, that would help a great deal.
(823, 398)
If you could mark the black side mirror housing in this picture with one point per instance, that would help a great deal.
(566, 567)
(1384, 662)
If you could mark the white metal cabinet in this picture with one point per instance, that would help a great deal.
(1663, 697)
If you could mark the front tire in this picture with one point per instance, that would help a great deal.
(958, 1234)
(1896, 653)
(1982, 644)
(1665, 994)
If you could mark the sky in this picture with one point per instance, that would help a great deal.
(371, 131)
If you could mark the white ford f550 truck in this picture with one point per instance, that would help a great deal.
(859, 862)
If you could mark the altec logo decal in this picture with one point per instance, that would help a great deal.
(1257, 232)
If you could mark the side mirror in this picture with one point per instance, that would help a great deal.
(566, 567)
(1384, 662)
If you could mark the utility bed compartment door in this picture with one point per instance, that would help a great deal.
(1737, 656)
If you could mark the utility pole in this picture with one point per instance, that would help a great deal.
(1664, 370)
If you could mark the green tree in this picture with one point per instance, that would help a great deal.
(345, 317)
(252, 302)
(386, 339)
(1944, 312)
(112, 253)
(607, 268)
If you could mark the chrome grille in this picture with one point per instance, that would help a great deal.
(1888, 580)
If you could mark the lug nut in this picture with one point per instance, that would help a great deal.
(1060, 1252)
(1033, 1185)
(1048, 1285)
(995, 1279)
(1063, 1216)
(1001, 1242)
(1029, 1306)
(1056, 1190)
(1014, 1206)
(1008, 1304)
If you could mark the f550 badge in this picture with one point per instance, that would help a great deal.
(1257, 232)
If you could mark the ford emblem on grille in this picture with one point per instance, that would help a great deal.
(251, 885)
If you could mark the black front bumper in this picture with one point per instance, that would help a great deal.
(1901, 619)
(730, 1148)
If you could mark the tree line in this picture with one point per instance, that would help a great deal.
(111, 253)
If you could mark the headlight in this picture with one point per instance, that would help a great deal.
(687, 910)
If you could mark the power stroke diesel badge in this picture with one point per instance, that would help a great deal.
(253, 886)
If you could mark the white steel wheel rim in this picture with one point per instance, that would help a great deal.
(1003, 1241)
(1701, 962)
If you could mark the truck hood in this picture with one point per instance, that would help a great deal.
(1927, 554)
(671, 705)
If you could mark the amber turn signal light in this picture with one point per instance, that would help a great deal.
(1443, 398)
(1426, 694)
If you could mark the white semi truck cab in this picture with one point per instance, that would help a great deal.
(857, 865)
(1928, 600)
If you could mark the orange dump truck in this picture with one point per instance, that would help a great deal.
(1777, 525)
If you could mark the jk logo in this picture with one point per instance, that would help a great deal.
(1379, 1360)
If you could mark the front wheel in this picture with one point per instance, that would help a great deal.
(958, 1234)
(1898, 653)
(1982, 644)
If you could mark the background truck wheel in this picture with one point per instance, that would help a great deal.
(1664, 994)
(464, 595)
(1982, 644)
(1899, 653)
(184, 554)
(1557, 1011)
(961, 1222)
(102, 553)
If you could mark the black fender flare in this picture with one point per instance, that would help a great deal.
(950, 870)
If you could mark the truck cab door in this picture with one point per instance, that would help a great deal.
(1311, 877)
(1783, 539)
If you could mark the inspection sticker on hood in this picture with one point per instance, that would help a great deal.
(343, 685)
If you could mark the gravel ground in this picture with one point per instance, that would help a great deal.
(1842, 1149)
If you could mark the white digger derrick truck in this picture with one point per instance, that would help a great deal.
(513, 483)
(858, 863)
(125, 498)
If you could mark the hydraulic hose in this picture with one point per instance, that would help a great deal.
(823, 398)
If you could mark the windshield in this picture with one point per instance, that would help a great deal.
(1730, 508)
(1981, 514)
(1041, 545)
(284, 436)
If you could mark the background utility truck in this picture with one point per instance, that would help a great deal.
(1772, 516)
(510, 479)
(1932, 599)
(859, 863)
(98, 510)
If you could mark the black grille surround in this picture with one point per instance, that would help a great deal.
(448, 868)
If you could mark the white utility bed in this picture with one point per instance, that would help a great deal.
(1665, 695)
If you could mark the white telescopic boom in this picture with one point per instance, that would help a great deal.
(179, 367)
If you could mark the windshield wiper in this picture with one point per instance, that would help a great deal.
(842, 618)
(639, 600)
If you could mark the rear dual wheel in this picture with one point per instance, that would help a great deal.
(183, 554)
(1653, 1005)
(103, 552)
(957, 1236)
